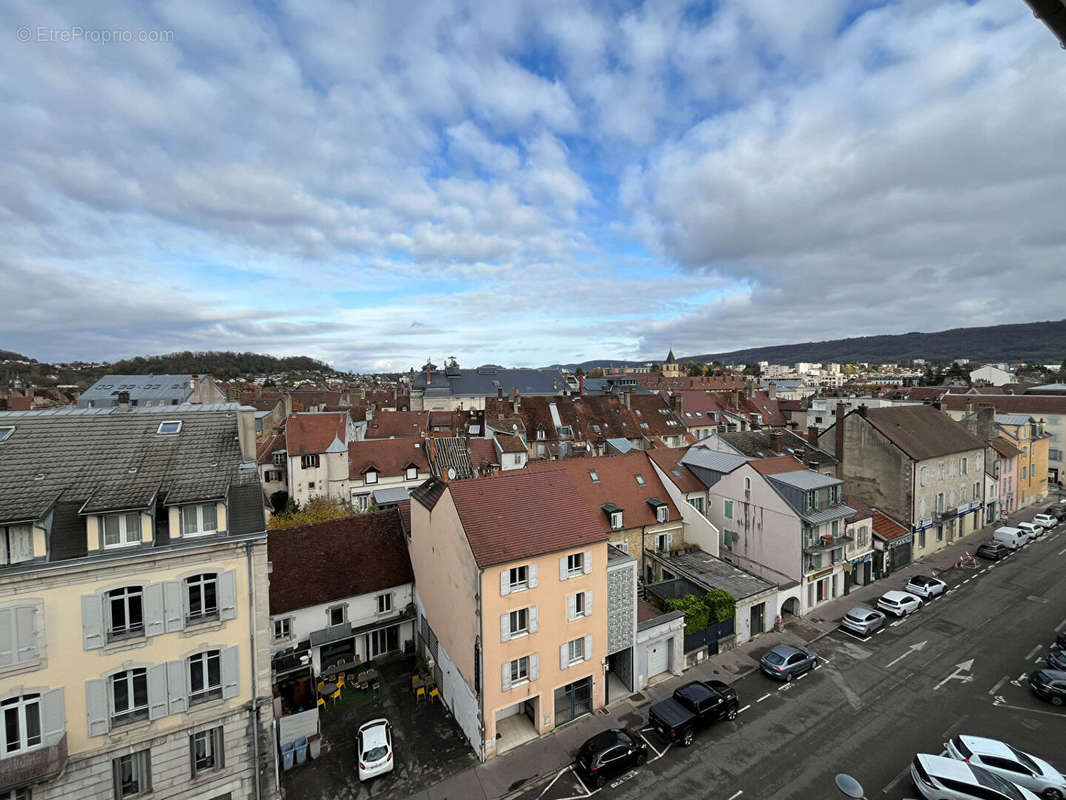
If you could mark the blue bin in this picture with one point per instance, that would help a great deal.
(288, 753)
(301, 750)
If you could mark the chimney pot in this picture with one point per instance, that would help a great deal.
(839, 430)
(581, 383)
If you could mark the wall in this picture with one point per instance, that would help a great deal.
(944, 475)
(699, 530)
(300, 479)
(621, 606)
(874, 470)
(672, 632)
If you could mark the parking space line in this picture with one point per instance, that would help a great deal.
(742, 710)
(817, 666)
(558, 775)
(999, 683)
(1060, 626)
(826, 660)
(967, 580)
(581, 783)
(1033, 652)
(801, 677)
(1030, 710)
(658, 755)
(738, 794)
(880, 630)
(1063, 550)
(763, 697)
(905, 771)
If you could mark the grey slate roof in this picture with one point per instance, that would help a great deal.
(1012, 419)
(109, 460)
(486, 380)
(713, 573)
(160, 389)
(805, 479)
(393, 494)
(713, 460)
(921, 431)
(764, 443)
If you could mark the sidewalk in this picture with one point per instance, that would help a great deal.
(542, 758)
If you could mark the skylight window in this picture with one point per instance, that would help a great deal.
(640, 479)
(6, 431)
(595, 477)
(169, 426)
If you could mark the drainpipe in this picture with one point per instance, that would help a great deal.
(251, 640)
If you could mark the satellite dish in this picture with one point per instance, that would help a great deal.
(849, 787)
(451, 473)
(514, 426)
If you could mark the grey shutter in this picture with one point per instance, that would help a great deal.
(505, 676)
(588, 604)
(534, 619)
(505, 627)
(505, 582)
(92, 621)
(174, 607)
(564, 661)
(152, 597)
(96, 707)
(562, 568)
(227, 595)
(534, 667)
(25, 635)
(7, 637)
(588, 647)
(176, 692)
(230, 666)
(571, 607)
(53, 716)
(532, 575)
(587, 561)
(157, 691)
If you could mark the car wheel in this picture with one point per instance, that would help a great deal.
(642, 757)
(600, 781)
(1056, 700)
(686, 740)
(788, 677)
(732, 713)
(1052, 794)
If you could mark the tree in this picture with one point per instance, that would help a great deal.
(752, 369)
(722, 605)
(694, 369)
(697, 614)
(279, 501)
(319, 509)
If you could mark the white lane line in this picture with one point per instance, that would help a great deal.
(991, 566)
(801, 677)
(880, 630)
(763, 697)
(1063, 550)
(967, 580)
(952, 589)
(1033, 652)
(817, 666)
(826, 660)
(905, 771)
(1060, 626)
(983, 571)
(738, 794)
(999, 683)
(1030, 710)
(742, 710)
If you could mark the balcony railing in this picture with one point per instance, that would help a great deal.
(34, 766)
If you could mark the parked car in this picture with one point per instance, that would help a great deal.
(786, 661)
(610, 753)
(1060, 638)
(942, 778)
(1057, 511)
(1049, 684)
(925, 586)
(1011, 538)
(898, 603)
(1056, 659)
(1046, 521)
(1034, 530)
(1010, 764)
(691, 707)
(993, 551)
(373, 749)
(862, 620)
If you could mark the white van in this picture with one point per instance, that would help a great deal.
(1010, 537)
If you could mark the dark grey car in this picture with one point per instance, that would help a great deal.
(785, 661)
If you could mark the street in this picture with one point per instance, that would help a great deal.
(956, 666)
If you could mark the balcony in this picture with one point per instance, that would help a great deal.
(825, 544)
(34, 766)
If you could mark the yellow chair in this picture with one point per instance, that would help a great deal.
(321, 686)
(335, 696)
(340, 681)
(434, 694)
(321, 702)
(420, 694)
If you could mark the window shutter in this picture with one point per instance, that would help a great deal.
(534, 619)
(157, 691)
(562, 568)
(587, 560)
(564, 661)
(227, 594)
(505, 676)
(669, 540)
(588, 647)
(532, 575)
(176, 695)
(505, 582)
(92, 621)
(25, 635)
(229, 672)
(96, 707)
(53, 716)
(534, 667)
(571, 607)
(588, 604)
(174, 606)
(505, 627)
(7, 637)
(152, 597)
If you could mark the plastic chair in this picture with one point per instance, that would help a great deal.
(434, 694)
(335, 696)
(321, 686)
(340, 680)
(321, 702)
(420, 694)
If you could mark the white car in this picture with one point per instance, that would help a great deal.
(373, 749)
(925, 586)
(1015, 766)
(898, 603)
(1045, 521)
(940, 778)
(1034, 531)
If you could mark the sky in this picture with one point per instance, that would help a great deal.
(523, 183)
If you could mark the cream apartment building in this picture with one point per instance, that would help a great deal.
(511, 593)
(133, 605)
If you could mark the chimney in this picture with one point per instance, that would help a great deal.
(734, 399)
(429, 371)
(812, 434)
(555, 384)
(625, 398)
(986, 422)
(677, 402)
(499, 392)
(969, 407)
(581, 383)
(840, 433)
(433, 457)
(124, 401)
(773, 390)
(862, 410)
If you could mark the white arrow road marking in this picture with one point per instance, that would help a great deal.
(913, 649)
(961, 667)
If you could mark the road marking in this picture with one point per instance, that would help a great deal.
(967, 580)
(826, 660)
(1063, 550)
(964, 666)
(741, 711)
(912, 649)
(905, 771)
(880, 630)
(1033, 652)
(558, 775)
(991, 566)
(983, 571)
(1060, 626)
(999, 683)
(897, 622)
(801, 677)
(817, 666)
(998, 704)
(580, 783)
(738, 794)
(763, 697)
(784, 687)
(952, 589)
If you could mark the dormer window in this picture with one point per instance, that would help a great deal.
(199, 520)
(412, 473)
(279, 458)
(121, 530)
(370, 476)
(662, 514)
(16, 544)
(6, 431)
(616, 520)
(169, 427)
(540, 434)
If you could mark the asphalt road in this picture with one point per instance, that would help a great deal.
(872, 704)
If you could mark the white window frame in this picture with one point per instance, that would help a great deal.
(279, 458)
(576, 646)
(622, 545)
(198, 584)
(522, 583)
(141, 762)
(131, 677)
(309, 461)
(25, 553)
(572, 559)
(411, 473)
(125, 595)
(663, 542)
(123, 530)
(172, 427)
(339, 607)
(384, 602)
(282, 629)
(518, 622)
(214, 745)
(199, 519)
(662, 513)
(639, 479)
(362, 502)
(370, 477)
(579, 605)
(616, 521)
(199, 665)
(519, 671)
(22, 706)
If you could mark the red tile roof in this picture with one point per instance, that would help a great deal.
(777, 464)
(656, 414)
(519, 514)
(1005, 447)
(387, 424)
(508, 444)
(483, 452)
(388, 456)
(668, 459)
(327, 561)
(265, 449)
(314, 432)
(887, 528)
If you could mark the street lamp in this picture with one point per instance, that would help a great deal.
(849, 787)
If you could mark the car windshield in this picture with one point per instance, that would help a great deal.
(774, 657)
(857, 616)
(375, 753)
(990, 781)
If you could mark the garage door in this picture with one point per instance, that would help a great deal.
(658, 659)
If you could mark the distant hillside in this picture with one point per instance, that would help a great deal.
(222, 365)
(9, 355)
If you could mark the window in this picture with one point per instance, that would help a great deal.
(412, 473)
(747, 484)
(279, 458)
(860, 538)
(977, 490)
(662, 514)
(370, 476)
(385, 603)
(639, 479)
(965, 466)
(835, 528)
(518, 622)
(201, 591)
(362, 502)
(727, 509)
(580, 606)
(129, 696)
(616, 520)
(575, 564)
(519, 669)
(575, 650)
(309, 462)
(168, 426)
(133, 774)
(623, 546)
(696, 503)
(205, 677)
(594, 476)
(125, 613)
(728, 539)
(7, 430)
(206, 747)
(540, 434)
(663, 541)
(921, 540)
(122, 530)
(940, 533)
(518, 578)
(199, 520)
(282, 629)
(16, 544)
(1024, 471)
(22, 723)
(940, 503)
(923, 475)
(273, 476)
(336, 614)
(1054, 455)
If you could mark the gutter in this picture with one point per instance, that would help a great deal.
(251, 639)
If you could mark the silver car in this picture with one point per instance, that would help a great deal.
(1008, 762)
(862, 620)
(786, 661)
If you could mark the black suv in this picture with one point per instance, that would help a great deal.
(993, 551)
(608, 754)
